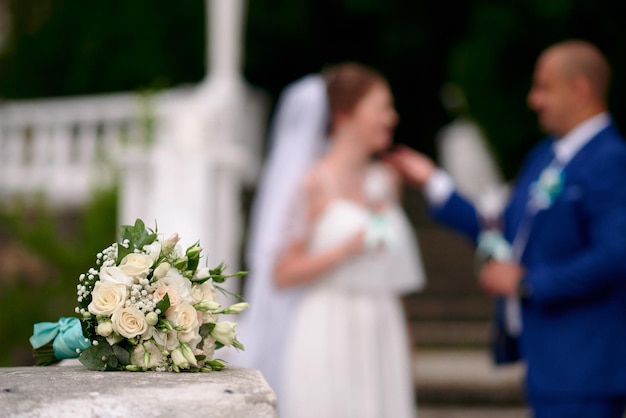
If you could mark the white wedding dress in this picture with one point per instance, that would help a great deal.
(348, 352)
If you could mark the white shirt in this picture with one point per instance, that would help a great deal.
(440, 185)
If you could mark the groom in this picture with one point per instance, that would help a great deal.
(566, 226)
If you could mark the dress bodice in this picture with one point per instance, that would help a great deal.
(390, 261)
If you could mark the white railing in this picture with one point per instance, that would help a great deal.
(64, 149)
(206, 145)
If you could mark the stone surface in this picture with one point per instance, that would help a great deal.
(75, 391)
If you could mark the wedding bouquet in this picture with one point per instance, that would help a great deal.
(146, 305)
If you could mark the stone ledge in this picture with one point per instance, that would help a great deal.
(52, 392)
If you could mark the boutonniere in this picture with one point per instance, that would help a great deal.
(545, 190)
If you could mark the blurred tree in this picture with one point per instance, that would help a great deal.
(48, 251)
(69, 47)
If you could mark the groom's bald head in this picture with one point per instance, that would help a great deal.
(579, 58)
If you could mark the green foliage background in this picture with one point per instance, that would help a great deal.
(488, 47)
(66, 245)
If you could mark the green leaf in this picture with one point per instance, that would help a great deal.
(164, 304)
(205, 329)
(139, 225)
(122, 355)
(137, 235)
(216, 364)
(123, 252)
(92, 357)
(192, 264)
(112, 363)
(88, 326)
(147, 239)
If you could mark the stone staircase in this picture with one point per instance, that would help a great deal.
(451, 311)
(449, 327)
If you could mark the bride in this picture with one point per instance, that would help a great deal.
(330, 254)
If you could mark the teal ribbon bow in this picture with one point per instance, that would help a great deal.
(378, 232)
(66, 334)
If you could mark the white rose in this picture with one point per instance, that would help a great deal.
(104, 329)
(147, 355)
(224, 332)
(209, 318)
(150, 331)
(153, 250)
(209, 348)
(185, 316)
(172, 294)
(203, 273)
(136, 265)
(106, 298)
(176, 281)
(161, 270)
(203, 292)
(179, 359)
(115, 275)
(129, 322)
(189, 354)
(152, 318)
(167, 340)
(192, 338)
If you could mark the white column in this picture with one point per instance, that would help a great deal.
(224, 38)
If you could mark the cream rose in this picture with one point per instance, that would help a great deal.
(107, 298)
(203, 292)
(129, 322)
(176, 281)
(184, 316)
(115, 275)
(174, 297)
(136, 265)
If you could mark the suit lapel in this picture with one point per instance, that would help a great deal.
(571, 170)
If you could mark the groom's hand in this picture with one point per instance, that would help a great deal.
(415, 167)
(500, 278)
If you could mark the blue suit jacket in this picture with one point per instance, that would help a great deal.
(574, 323)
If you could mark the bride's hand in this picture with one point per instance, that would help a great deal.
(356, 244)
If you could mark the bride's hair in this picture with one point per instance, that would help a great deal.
(347, 83)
